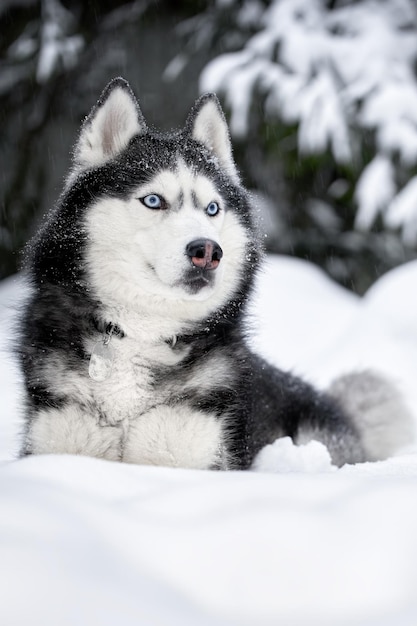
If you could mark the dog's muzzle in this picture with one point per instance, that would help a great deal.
(205, 254)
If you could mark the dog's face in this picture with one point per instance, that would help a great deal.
(177, 234)
(179, 220)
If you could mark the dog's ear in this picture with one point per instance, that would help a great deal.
(207, 124)
(112, 123)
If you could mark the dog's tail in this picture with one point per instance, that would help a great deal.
(378, 411)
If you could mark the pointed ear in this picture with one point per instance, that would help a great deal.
(112, 123)
(207, 124)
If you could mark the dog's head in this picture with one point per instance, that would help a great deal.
(168, 223)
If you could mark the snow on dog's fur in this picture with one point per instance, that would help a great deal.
(133, 341)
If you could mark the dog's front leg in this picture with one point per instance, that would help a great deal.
(176, 436)
(72, 430)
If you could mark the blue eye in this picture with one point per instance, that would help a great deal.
(212, 209)
(153, 201)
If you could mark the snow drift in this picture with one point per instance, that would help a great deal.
(295, 541)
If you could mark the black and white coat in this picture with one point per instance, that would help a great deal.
(149, 259)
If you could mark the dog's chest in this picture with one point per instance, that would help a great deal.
(130, 390)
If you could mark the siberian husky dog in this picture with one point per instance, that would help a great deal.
(132, 342)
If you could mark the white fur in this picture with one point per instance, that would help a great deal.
(136, 256)
(109, 130)
(128, 392)
(70, 430)
(171, 436)
(210, 128)
(213, 371)
(162, 236)
(175, 436)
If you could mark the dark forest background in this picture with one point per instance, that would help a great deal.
(333, 175)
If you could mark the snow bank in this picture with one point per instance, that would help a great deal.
(91, 542)
(297, 542)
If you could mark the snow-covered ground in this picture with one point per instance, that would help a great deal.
(297, 542)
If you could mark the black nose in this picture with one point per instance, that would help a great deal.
(204, 253)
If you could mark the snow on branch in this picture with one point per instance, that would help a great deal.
(374, 191)
(337, 73)
(402, 212)
(57, 47)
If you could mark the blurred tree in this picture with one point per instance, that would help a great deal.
(56, 56)
(321, 94)
(322, 97)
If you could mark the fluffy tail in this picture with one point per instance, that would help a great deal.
(378, 412)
